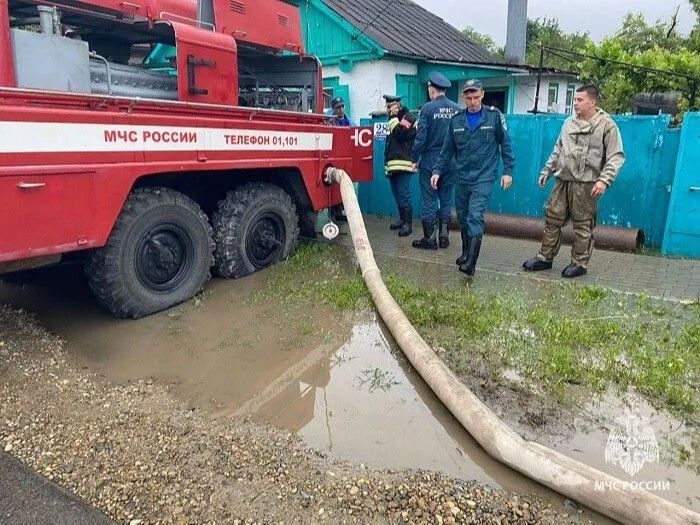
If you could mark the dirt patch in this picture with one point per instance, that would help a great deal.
(137, 453)
(529, 414)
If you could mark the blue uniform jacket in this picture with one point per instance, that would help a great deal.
(343, 122)
(475, 153)
(433, 123)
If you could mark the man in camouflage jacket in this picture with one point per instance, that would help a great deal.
(586, 160)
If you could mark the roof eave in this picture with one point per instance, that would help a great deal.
(488, 65)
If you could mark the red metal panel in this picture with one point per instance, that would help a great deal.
(270, 23)
(179, 10)
(362, 154)
(46, 212)
(207, 66)
(7, 68)
(132, 7)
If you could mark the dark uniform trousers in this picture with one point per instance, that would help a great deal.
(471, 200)
(399, 181)
(570, 200)
(430, 198)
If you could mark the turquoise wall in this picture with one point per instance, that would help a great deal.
(639, 198)
(682, 232)
(332, 39)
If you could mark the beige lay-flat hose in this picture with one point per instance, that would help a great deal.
(565, 475)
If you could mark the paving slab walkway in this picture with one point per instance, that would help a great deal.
(657, 277)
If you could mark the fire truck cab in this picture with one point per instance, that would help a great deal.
(158, 141)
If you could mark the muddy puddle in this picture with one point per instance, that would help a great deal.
(655, 434)
(337, 381)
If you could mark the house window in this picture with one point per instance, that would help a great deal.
(553, 98)
(333, 88)
(570, 90)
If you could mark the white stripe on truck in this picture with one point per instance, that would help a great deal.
(50, 137)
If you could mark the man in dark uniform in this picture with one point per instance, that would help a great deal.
(340, 118)
(433, 122)
(473, 140)
(397, 160)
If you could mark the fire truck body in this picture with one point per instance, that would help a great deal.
(202, 152)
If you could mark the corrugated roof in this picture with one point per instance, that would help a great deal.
(405, 28)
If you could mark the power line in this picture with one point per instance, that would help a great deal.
(555, 50)
(560, 53)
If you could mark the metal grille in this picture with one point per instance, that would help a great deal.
(237, 6)
(283, 20)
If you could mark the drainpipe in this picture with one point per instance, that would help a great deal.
(516, 34)
(566, 476)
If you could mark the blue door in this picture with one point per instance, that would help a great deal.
(682, 236)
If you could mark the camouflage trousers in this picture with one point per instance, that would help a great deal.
(570, 200)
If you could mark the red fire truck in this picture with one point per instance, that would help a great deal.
(157, 141)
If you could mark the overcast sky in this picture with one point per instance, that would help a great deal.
(599, 17)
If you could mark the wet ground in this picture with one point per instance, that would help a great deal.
(336, 380)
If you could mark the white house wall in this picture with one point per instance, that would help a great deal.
(368, 81)
(526, 88)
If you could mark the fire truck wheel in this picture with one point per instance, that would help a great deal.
(255, 226)
(159, 254)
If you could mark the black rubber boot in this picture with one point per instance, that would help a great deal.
(407, 226)
(573, 270)
(536, 265)
(465, 248)
(399, 222)
(469, 266)
(428, 241)
(444, 234)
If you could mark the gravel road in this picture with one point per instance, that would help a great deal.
(139, 455)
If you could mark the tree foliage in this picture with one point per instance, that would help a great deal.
(639, 43)
(657, 45)
(485, 41)
(546, 31)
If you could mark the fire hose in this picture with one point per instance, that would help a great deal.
(569, 477)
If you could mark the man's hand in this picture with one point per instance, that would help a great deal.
(599, 188)
(434, 181)
(542, 180)
(506, 182)
(415, 167)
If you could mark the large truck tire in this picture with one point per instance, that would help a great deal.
(255, 226)
(159, 254)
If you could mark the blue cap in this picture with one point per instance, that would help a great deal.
(472, 85)
(337, 101)
(439, 80)
(392, 98)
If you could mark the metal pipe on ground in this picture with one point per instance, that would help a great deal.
(573, 479)
(522, 227)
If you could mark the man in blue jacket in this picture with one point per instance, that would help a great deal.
(473, 140)
(340, 118)
(433, 123)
